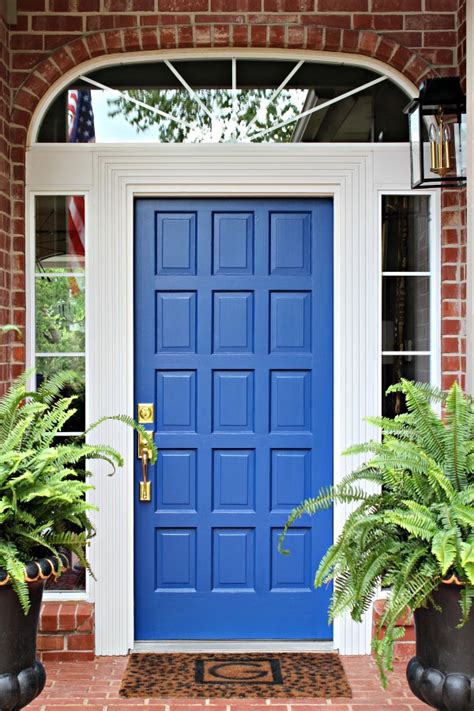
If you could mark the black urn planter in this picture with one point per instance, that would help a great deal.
(22, 676)
(442, 673)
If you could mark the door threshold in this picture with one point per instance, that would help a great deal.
(234, 646)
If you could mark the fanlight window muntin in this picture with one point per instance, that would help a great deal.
(233, 101)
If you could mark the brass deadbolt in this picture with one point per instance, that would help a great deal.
(146, 413)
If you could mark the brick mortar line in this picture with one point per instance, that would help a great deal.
(342, 13)
(390, 35)
(209, 16)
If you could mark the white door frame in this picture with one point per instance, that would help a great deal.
(112, 176)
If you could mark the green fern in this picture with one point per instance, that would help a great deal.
(43, 485)
(416, 528)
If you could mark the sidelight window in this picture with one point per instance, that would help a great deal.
(408, 295)
(60, 315)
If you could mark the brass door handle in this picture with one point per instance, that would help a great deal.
(144, 489)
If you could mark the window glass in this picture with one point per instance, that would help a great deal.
(60, 318)
(60, 314)
(117, 118)
(395, 367)
(406, 313)
(406, 294)
(74, 578)
(405, 237)
(59, 229)
(225, 100)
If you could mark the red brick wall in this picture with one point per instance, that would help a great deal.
(5, 100)
(404, 649)
(66, 631)
(428, 27)
(461, 22)
(453, 287)
(453, 255)
(418, 37)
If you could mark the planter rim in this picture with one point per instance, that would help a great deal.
(40, 569)
(454, 580)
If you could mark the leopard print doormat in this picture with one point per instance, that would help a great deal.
(226, 676)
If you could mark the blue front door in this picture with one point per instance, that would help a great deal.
(234, 345)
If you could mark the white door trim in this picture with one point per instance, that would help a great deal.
(113, 176)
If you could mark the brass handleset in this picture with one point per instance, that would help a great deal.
(144, 492)
(146, 415)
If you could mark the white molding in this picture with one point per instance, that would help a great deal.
(112, 178)
(435, 288)
(342, 58)
(65, 596)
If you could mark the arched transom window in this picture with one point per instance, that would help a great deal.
(228, 100)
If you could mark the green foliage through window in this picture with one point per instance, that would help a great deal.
(60, 314)
(233, 110)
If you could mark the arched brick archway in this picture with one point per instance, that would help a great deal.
(316, 37)
(112, 42)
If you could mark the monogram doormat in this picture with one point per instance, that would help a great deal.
(298, 675)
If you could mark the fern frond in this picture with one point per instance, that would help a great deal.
(430, 392)
(411, 517)
(130, 422)
(464, 515)
(415, 523)
(467, 598)
(443, 547)
(11, 562)
(43, 485)
(455, 435)
(429, 425)
(467, 559)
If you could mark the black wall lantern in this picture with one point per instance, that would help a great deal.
(437, 127)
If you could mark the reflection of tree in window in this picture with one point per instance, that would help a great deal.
(233, 109)
(60, 314)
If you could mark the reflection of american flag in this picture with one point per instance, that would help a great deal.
(80, 130)
(80, 117)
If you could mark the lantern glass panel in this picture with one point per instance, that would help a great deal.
(415, 145)
(460, 143)
(442, 148)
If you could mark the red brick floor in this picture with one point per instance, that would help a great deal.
(95, 685)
